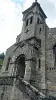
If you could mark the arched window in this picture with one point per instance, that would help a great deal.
(54, 52)
(8, 62)
(38, 21)
(31, 19)
(27, 22)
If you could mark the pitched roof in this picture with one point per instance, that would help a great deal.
(33, 5)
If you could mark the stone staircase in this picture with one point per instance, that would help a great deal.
(16, 88)
(25, 91)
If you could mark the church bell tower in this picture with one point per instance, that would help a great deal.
(27, 55)
(33, 34)
(32, 17)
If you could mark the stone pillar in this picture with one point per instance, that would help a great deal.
(43, 81)
(30, 70)
(38, 74)
(12, 66)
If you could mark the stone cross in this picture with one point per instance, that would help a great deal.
(35, 0)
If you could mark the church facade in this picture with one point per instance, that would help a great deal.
(29, 67)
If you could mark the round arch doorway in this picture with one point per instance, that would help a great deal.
(21, 65)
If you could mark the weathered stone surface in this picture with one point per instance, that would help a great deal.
(32, 58)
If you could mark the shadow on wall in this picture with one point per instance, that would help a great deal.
(1, 59)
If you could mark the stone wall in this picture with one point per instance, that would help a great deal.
(6, 84)
(50, 68)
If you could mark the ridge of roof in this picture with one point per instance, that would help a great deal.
(33, 5)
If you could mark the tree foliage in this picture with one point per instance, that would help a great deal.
(2, 56)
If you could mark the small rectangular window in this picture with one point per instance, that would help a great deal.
(55, 59)
(38, 20)
(8, 62)
(54, 53)
(31, 19)
(39, 63)
(40, 32)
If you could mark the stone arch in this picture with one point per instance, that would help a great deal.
(30, 13)
(29, 18)
(20, 65)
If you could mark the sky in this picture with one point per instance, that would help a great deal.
(11, 18)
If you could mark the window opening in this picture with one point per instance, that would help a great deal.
(27, 22)
(40, 29)
(38, 20)
(31, 19)
(39, 63)
(55, 59)
(8, 62)
(50, 68)
(54, 52)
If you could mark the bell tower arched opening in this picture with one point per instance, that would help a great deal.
(21, 66)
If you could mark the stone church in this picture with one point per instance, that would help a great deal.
(29, 67)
